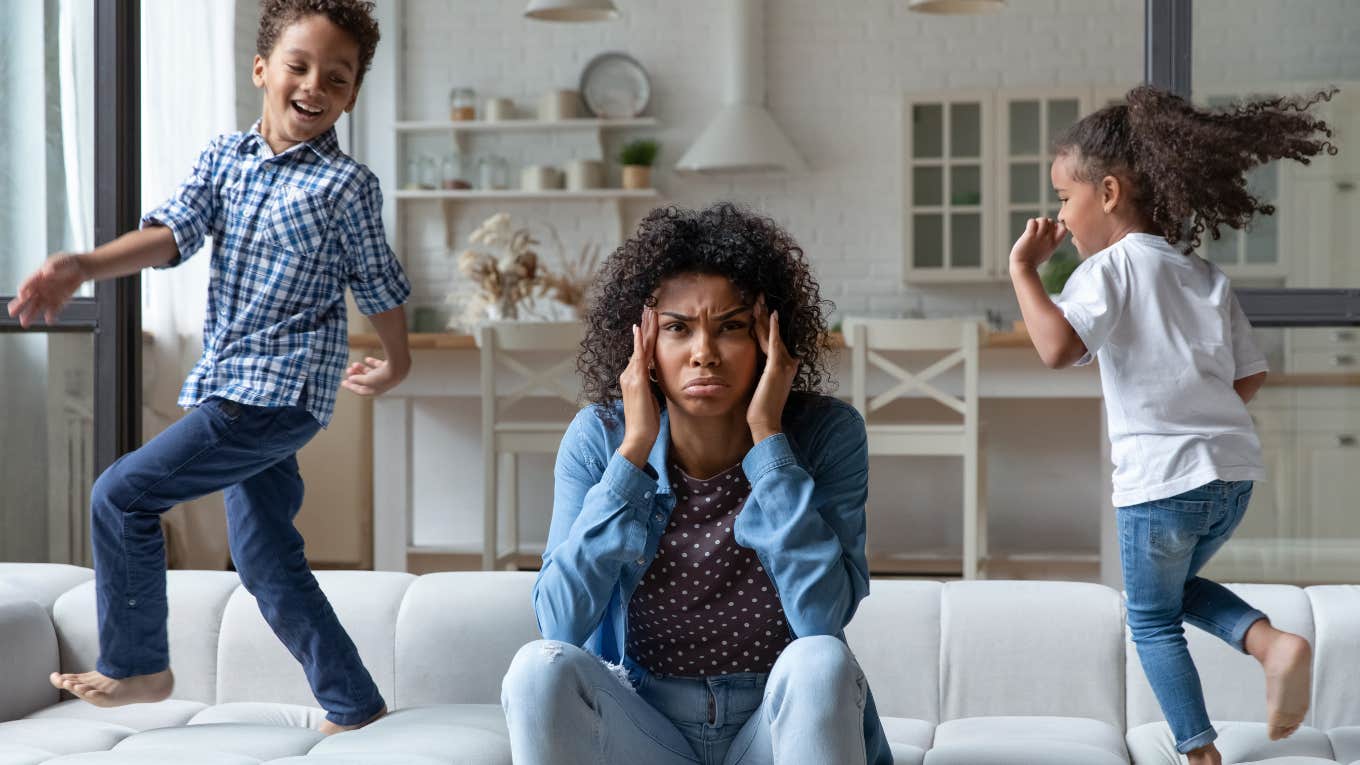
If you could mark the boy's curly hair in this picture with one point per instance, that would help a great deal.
(353, 16)
(752, 251)
(1188, 166)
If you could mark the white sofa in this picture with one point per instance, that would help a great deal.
(971, 673)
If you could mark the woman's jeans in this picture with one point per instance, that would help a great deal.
(249, 452)
(565, 706)
(1163, 545)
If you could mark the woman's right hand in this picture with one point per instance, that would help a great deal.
(641, 412)
(48, 290)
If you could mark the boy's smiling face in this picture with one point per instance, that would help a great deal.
(309, 79)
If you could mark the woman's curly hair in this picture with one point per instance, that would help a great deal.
(353, 16)
(759, 258)
(1188, 166)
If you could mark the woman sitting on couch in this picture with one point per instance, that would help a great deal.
(707, 540)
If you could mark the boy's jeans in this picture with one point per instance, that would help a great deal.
(1163, 545)
(564, 706)
(249, 452)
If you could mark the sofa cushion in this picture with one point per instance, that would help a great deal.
(262, 713)
(154, 757)
(479, 730)
(262, 742)
(904, 672)
(23, 755)
(908, 739)
(29, 655)
(1336, 619)
(1345, 743)
(1012, 739)
(254, 666)
(138, 717)
(44, 582)
(1153, 744)
(1234, 686)
(433, 626)
(197, 600)
(64, 736)
(369, 758)
(1031, 648)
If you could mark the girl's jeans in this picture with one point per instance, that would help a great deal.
(1163, 545)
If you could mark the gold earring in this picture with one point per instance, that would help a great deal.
(651, 373)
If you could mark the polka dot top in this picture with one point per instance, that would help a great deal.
(705, 606)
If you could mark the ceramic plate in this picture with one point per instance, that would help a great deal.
(615, 86)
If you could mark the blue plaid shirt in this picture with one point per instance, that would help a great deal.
(292, 231)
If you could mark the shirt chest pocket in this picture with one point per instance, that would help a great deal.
(297, 221)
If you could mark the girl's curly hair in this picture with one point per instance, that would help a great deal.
(353, 16)
(752, 251)
(1188, 166)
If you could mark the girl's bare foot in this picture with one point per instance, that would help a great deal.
(104, 691)
(1205, 755)
(329, 728)
(1288, 662)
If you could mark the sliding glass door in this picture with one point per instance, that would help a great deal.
(68, 181)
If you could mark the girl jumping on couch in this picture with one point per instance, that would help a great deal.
(1140, 184)
(707, 541)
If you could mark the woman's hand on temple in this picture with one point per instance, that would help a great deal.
(641, 412)
(766, 411)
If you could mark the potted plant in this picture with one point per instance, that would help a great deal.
(637, 158)
(1055, 271)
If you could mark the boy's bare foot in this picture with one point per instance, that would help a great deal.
(330, 729)
(1205, 755)
(1288, 662)
(104, 691)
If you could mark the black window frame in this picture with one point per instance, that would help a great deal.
(1167, 58)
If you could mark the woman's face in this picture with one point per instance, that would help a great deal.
(706, 353)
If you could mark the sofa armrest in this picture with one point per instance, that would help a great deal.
(28, 657)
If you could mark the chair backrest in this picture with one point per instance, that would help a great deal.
(958, 339)
(503, 344)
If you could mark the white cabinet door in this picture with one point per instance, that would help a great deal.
(946, 183)
(1029, 122)
(1329, 501)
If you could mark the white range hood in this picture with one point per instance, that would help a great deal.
(743, 137)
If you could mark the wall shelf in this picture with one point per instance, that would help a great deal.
(522, 126)
(518, 194)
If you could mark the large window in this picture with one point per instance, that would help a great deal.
(67, 182)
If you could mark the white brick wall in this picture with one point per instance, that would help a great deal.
(836, 75)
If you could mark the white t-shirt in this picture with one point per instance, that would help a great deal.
(1171, 339)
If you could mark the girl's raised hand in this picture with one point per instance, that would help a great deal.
(1042, 236)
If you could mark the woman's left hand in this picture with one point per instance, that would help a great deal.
(765, 413)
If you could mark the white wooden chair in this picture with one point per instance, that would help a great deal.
(958, 340)
(503, 344)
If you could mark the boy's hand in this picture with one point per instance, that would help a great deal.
(372, 377)
(48, 289)
(1042, 236)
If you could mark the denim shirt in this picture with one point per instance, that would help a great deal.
(804, 519)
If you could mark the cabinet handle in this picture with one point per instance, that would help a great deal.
(1343, 360)
(1346, 439)
(1343, 336)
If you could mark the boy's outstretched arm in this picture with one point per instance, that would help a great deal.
(375, 376)
(48, 289)
(1057, 343)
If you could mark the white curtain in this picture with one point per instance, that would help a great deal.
(188, 83)
(75, 68)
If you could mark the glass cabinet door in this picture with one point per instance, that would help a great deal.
(1030, 124)
(946, 181)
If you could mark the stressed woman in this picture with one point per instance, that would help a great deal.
(707, 541)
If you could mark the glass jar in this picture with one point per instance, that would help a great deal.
(429, 173)
(494, 173)
(462, 104)
(452, 173)
(412, 179)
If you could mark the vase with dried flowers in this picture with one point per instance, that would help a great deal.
(504, 264)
